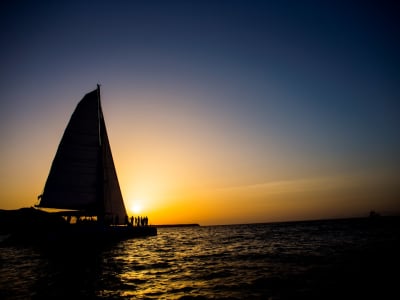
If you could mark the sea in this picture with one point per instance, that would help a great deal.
(331, 259)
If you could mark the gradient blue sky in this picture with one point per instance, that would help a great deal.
(211, 105)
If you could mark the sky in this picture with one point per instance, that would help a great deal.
(218, 112)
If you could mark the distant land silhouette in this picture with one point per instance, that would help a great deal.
(177, 225)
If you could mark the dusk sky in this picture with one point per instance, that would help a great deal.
(218, 112)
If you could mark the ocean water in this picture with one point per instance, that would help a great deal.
(337, 259)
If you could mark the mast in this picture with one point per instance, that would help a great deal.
(98, 111)
(101, 198)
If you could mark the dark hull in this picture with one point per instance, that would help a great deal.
(80, 235)
(29, 226)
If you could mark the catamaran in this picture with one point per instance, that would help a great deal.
(82, 184)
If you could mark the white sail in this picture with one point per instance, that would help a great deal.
(82, 176)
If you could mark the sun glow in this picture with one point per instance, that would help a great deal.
(136, 207)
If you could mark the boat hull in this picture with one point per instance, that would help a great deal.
(30, 226)
(73, 235)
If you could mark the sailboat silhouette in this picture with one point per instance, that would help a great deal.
(82, 183)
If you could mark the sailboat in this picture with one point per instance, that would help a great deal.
(82, 184)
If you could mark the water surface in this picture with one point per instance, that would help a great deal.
(306, 260)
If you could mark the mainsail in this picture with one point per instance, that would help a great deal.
(83, 176)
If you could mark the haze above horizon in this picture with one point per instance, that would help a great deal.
(218, 112)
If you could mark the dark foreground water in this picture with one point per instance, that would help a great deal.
(342, 259)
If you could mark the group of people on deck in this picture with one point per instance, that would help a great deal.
(137, 221)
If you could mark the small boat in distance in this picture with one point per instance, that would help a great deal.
(83, 186)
